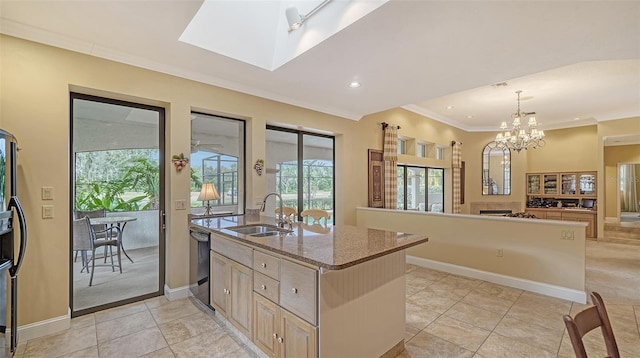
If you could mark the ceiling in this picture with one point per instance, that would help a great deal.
(570, 59)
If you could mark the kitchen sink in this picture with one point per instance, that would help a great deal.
(258, 230)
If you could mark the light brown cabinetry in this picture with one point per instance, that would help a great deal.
(589, 218)
(586, 216)
(562, 185)
(279, 333)
(280, 288)
(232, 291)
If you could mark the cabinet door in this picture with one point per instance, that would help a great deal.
(568, 184)
(241, 297)
(533, 184)
(298, 337)
(588, 184)
(550, 182)
(590, 231)
(266, 324)
(219, 283)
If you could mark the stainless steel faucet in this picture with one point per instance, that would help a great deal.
(281, 218)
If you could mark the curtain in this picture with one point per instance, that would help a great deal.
(628, 190)
(456, 165)
(390, 156)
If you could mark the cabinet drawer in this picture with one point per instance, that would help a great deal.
(298, 290)
(266, 286)
(266, 264)
(237, 252)
(554, 215)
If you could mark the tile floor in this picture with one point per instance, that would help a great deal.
(447, 316)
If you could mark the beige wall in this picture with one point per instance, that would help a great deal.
(573, 149)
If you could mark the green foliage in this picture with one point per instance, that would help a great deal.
(143, 174)
(196, 181)
(107, 195)
(112, 179)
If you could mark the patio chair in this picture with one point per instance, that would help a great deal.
(85, 239)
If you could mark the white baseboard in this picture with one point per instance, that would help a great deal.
(173, 294)
(516, 282)
(43, 328)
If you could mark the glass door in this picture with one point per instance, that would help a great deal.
(117, 162)
(299, 167)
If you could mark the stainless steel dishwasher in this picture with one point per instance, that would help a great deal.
(199, 265)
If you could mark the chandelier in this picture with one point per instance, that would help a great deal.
(519, 138)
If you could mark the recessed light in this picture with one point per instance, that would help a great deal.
(469, 117)
(576, 119)
(449, 107)
(354, 84)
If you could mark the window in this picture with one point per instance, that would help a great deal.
(402, 146)
(217, 156)
(299, 167)
(439, 153)
(420, 188)
(421, 150)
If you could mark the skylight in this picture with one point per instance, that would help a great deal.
(255, 32)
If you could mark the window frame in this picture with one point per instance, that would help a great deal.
(300, 165)
(404, 185)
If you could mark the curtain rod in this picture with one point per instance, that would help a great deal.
(385, 125)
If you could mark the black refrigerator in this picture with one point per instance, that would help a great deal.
(13, 242)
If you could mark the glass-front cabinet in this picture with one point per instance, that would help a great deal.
(533, 184)
(550, 184)
(572, 185)
(588, 184)
(568, 184)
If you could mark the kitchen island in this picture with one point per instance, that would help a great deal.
(336, 291)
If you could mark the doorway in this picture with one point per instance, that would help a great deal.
(629, 189)
(117, 184)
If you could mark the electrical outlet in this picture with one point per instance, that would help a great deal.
(567, 235)
(500, 253)
(181, 205)
(258, 201)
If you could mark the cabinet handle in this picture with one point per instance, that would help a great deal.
(275, 336)
(224, 290)
(263, 287)
(280, 340)
(263, 265)
(294, 290)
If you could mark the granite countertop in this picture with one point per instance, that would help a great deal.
(333, 247)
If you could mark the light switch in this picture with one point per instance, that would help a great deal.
(47, 193)
(181, 205)
(47, 211)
